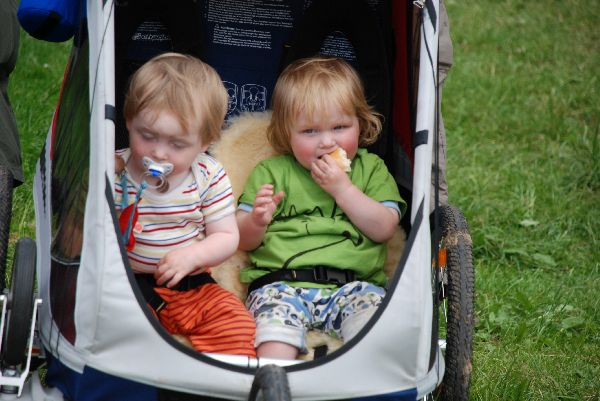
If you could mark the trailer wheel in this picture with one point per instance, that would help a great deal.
(6, 190)
(458, 283)
(20, 300)
(270, 384)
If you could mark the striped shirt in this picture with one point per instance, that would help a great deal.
(174, 220)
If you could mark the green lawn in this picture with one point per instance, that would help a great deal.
(522, 112)
(33, 89)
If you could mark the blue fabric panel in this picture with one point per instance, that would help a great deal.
(244, 42)
(51, 20)
(94, 385)
(406, 395)
(150, 39)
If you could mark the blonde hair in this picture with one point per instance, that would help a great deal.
(183, 85)
(308, 86)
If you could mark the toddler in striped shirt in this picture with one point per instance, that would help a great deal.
(175, 203)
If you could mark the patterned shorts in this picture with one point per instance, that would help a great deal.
(283, 313)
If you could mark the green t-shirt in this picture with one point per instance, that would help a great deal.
(309, 229)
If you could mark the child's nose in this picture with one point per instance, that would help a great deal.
(159, 153)
(327, 140)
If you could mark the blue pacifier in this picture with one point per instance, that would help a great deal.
(159, 171)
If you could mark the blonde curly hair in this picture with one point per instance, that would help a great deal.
(307, 86)
(184, 86)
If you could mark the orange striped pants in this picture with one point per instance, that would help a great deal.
(211, 317)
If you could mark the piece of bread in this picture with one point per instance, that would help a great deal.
(340, 157)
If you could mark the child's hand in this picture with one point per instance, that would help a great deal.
(330, 176)
(265, 204)
(175, 265)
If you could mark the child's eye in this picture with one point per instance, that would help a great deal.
(179, 145)
(339, 127)
(147, 136)
(309, 131)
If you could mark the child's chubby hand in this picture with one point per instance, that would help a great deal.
(265, 203)
(175, 265)
(326, 172)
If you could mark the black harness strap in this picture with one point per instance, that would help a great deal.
(314, 274)
(147, 284)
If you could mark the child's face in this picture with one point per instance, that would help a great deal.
(313, 137)
(161, 137)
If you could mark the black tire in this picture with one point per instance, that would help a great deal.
(6, 191)
(20, 313)
(459, 294)
(270, 384)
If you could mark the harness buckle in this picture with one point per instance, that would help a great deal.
(326, 275)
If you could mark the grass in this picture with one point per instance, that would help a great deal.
(522, 111)
(33, 89)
